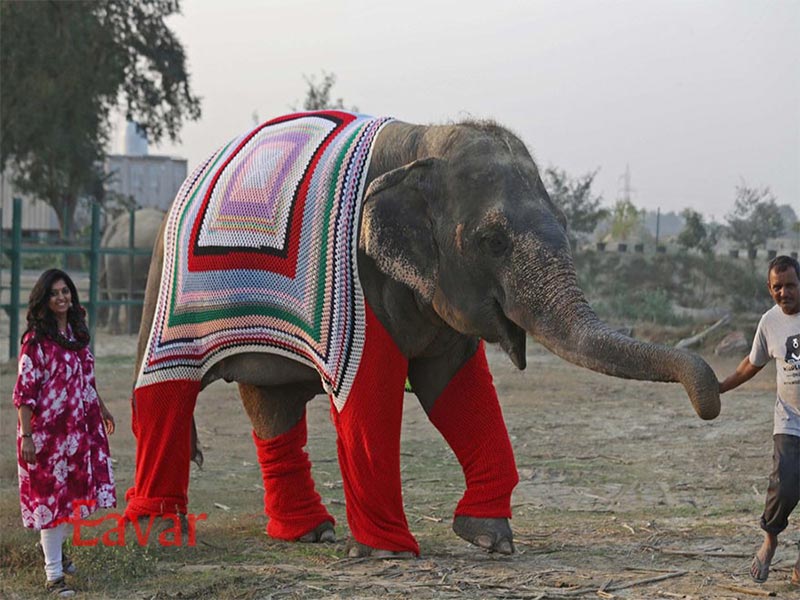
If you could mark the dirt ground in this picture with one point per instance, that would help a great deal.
(623, 493)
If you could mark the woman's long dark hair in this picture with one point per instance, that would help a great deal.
(41, 320)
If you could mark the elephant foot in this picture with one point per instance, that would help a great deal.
(493, 535)
(358, 550)
(322, 533)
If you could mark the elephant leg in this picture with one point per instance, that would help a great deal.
(162, 425)
(368, 442)
(291, 502)
(113, 315)
(468, 415)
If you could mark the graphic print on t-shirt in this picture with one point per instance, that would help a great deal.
(793, 349)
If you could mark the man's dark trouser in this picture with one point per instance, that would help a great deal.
(784, 483)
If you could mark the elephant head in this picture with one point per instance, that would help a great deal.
(470, 227)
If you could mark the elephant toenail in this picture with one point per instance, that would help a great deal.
(328, 536)
(505, 547)
(483, 541)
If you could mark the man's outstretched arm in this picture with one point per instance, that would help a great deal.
(744, 372)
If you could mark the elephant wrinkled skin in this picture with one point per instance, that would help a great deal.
(460, 242)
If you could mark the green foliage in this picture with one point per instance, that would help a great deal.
(790, 222)
(696, 234)
(626, 219)
(112, 567)
(640, 305)
(755, 217)
(41, 262)
(318, 96)
(574, 197)
(645, 288)
(66, 66)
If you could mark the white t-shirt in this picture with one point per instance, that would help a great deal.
(778, 337)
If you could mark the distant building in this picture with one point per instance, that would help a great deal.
(38, 217)
(149, 181)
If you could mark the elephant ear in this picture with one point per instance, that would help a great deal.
(397, 231)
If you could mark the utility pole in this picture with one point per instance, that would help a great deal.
(626, 184)
(658, 224)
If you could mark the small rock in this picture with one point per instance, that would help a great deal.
(732, 344)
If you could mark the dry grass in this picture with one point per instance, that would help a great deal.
(624, 493)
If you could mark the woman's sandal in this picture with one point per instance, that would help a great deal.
(60, 588)
(67, 566)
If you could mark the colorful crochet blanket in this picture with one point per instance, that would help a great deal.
(260, 253)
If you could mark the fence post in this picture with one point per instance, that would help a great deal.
(93, 270)
(16, 277)
(131, 265)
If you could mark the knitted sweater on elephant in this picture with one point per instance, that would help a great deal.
(260, 253)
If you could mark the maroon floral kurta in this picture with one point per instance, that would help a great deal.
(72, 458)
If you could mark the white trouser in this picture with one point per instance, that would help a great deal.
(52, 540)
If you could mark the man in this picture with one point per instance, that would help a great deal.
(778, 337)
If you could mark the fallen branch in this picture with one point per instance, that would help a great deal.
(696, 339)
(623, 586)
(629, 528)
(621, 461)
(434, 519)
(607, 587)
(750, 591)
(706, 553)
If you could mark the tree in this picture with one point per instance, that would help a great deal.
(697, 234)
(755, 218)
(789, 217)
(574, 197)
(625, 219)
(65, 67)
(318, 95)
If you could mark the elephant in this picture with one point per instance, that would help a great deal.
(119, 274)
(458, 245)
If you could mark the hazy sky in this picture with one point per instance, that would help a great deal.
(695, 96)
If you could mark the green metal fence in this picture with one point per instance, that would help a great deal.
(15, 249)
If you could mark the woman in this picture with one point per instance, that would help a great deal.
(62, 447)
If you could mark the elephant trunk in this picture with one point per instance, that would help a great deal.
(562, 320)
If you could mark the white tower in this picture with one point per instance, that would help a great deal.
(135, 142)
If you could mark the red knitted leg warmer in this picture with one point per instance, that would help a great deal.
(162, 424)
(290, 501)
(368, 430)
(468, 415)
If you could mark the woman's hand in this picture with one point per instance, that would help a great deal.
(28, 450)
(108, 419)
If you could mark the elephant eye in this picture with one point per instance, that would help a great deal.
(495, 243)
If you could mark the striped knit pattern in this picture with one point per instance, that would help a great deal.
(260, 253)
